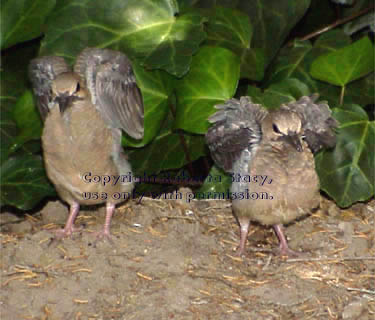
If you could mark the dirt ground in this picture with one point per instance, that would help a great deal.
(176, 260)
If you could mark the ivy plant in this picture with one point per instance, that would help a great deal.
(189, 56)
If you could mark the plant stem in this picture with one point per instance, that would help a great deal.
(337, 23)
(342, 95)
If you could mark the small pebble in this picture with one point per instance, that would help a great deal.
(354, 310)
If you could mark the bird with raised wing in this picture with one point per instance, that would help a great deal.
(84, 112)
(276, 149)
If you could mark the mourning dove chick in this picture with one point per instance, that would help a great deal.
(270, 157)
(84, 112)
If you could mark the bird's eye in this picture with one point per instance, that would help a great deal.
(276, 129)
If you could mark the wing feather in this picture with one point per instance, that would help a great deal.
(112, 85)
(317, 121)
(42, 71)
(236, 129)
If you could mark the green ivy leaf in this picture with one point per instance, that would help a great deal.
(8, 132)
(216, 181)
(345, 65)
(292, 62)
(13, 73)
(151, 31)
(23, 182)
(361, 91)
(231, 29)
(212, 79)
(347, 173)
(22, 20)
(272, 21)
(295, 62)
(279, 93)
(156, 87)
(330, 42)
(166, 152)
(27, 119)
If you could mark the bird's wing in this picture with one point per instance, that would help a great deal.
(42, 71)
(110, 79)
(317, 121)
(236, 128)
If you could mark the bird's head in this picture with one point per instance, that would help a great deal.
(283, 125)
(66, 88)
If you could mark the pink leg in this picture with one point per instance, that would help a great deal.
(244, 230)
(283, 247)
(69, 225)
(106, 233)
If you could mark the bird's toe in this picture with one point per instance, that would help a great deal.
(66, 232)
(103, 235)
(287, 252)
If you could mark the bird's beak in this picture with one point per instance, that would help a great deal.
(64, 100)
(294, 140)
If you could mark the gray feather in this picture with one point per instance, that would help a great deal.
(236, 132)
(317, 121)
(111, 82)
(42, 71)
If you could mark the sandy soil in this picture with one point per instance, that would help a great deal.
(174, 260)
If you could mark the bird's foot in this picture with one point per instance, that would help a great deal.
(284, 249)
(240, 252)
(66, 232)
(103, 235)
(287, 252)
(244, 230)
(69, 228)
